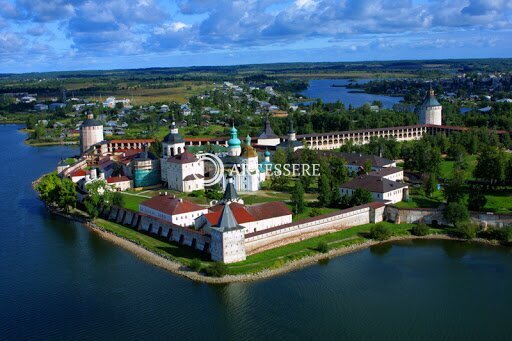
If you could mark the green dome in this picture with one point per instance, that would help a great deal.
(267, 153)
(234, 141)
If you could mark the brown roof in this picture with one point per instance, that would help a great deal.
(114, 179)
(386, 171)
(171, 205)
(269, 210)
(185, 157)
(373, 183)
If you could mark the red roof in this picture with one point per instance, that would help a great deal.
(114, 179)
(245, 214)
(239, 211)
(171, 205)
(133, 141)
(79, 172)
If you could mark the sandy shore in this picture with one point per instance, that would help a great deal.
(178, 268)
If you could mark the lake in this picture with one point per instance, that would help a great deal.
(323, 89)
(58, 280)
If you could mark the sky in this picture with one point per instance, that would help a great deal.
(56, 35)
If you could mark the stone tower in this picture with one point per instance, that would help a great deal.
(91, 132)
(431, 110)
(173, 143)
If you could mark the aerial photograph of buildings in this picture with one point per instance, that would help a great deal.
(255, 170)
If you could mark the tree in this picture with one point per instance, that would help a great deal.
(324, 189)
(491, 165)
(67, 194)
(454, 188)
(297, 198)
(338, 168)
(100, 197)
(361, 196)
(56, 191)
(367, 166)
(429, 185)
(477, 200)
(456, 213)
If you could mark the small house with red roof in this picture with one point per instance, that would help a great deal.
(120, 183)
(178, 211)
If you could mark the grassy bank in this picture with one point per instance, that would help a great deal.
(266, 260)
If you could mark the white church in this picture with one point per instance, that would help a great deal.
(183, 171)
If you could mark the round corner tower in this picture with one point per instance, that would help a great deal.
(431, 110)
(91, 132)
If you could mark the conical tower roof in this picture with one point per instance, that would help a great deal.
(227, 220)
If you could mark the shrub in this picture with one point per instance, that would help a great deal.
(322, 247)
(315, 212)
(420, 229)
(197, 193)
(380, 232)
(507, 234)
(467, 230)
(195, 264)
(456, 213)
(217, 269)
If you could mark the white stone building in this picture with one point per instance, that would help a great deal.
(178, 211)
(430, 110)
(91, 132)
(185, 173)
(382, 189)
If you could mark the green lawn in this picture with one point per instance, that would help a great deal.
(132, 202)
(417, 199)
(447, 166)
(499, 201)
(168, 250)
(311, 211)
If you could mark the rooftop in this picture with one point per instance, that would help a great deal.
(171, 205)
(373, 183)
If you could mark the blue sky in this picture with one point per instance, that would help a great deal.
(52, 35)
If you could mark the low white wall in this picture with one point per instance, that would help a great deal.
(346, 219)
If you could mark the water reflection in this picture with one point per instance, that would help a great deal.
(381, 249)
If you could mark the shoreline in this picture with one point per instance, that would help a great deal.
(182, 270)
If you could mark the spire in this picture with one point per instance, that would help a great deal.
(248, 140)
(227, 219)
(291, 127)
(230, 193)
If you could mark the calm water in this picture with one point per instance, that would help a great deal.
(60, 281)
(321, 88)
